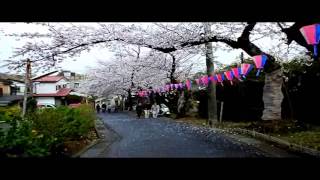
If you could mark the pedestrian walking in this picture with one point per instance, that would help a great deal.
(139, 109)
(104, 107)
(155, 108)
(147, 110)
(98, 108)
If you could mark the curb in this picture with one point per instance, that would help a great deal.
(99, 135)
(279, 142)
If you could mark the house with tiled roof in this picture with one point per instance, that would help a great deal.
(11, 89)
(51, 89)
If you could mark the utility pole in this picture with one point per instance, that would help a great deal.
(241, 57)
(27, 88)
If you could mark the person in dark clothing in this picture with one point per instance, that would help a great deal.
(139, 109)
(98, 108)
(104, 107)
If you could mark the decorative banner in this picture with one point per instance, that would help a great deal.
(229, 76)
(311, 34)
(259, 61)
(245, 69)
(236, 72)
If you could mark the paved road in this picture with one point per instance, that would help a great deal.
(162, 137)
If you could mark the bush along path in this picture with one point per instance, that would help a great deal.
(48, 132)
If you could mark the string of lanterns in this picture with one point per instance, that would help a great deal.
(311, 33)
(239, 72)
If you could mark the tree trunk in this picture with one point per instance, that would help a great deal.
(130, 100)
(212, 101)
(173, 69)
(272, 96)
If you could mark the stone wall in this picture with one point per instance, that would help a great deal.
(272, 96)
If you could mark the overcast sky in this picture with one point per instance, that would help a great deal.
(89, 59)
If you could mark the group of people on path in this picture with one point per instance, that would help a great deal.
(103, 107)
(147, 108)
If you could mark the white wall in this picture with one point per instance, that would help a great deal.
(21, 86)
(45, 100)
(45, 88)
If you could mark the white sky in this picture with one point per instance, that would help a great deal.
(89, 59)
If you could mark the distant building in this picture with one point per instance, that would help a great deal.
(75, 80)
(51, 89)
(11, 89)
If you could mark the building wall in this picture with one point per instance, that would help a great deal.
(21, 87)
(58, 101)
(44, 88)
(46, 100)
(5, 89)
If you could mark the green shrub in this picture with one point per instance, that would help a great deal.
(64, 122)
(43, 133)
(23, 141)
(8, 113)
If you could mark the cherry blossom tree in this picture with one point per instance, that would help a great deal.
(71, 40)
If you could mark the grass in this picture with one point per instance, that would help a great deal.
(193, 120)
(309, 137)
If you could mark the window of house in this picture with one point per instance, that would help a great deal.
(64, 86)
(76, 85)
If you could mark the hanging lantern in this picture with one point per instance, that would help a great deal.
(259, 61)
(167, 87)
(236, 72)
(245, 69)
(188, 84)
(176, 86)
(214, 79)
(198, 81)
(181, 85)
(311, 34)
(229, 76)
(204, 80)
(220, 78)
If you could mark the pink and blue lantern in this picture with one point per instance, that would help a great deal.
(220, 78)
(204, 80)
(236, 72)
(181, 85)
(176, 86)
(229, 76)
(188, 84)
(245, 69)
(259, 61)
(311, 34)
